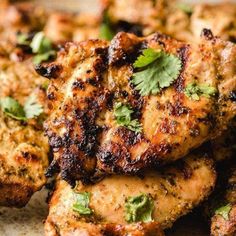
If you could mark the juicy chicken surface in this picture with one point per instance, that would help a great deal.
(88, 78)
(170, 190)
(23, 147)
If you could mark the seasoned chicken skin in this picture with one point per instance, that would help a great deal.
(87, 80)
(170, 190)
(23, 147)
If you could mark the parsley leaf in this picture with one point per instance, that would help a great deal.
(194, 91)
(32, 108)
(139, 208)
(224, 211)
(159, 70)
(15, 110)
(82, 204)
(123, 117)
(12, 108)
(185, 8)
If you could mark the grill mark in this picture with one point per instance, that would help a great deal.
(183, 53)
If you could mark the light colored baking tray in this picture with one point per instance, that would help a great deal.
(28, 221)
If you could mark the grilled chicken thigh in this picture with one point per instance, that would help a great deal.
(89, 79)
(169, 189)
(23, 146)
(20, 17)
(205, 15)
(182, 21)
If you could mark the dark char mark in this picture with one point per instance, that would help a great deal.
(49, 71)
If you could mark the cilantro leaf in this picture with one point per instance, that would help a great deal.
(12, 108)
(123, 117)
(15, 110)
(185, 8)
(148, 56)
(40, 43)
(43, 57)
(158, 74)
(42, 47)
(32, 108)
(82, 204)
(224, 211)
(194, 91)
(106, 31)
(22, 39)
(139, 208)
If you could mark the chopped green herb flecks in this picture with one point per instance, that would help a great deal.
(82, 204)
(158, 70)
(224, 211)
(139, 208)
(123, 117)
(195, 91)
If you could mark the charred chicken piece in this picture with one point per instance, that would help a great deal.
(111, 199)
(102, 122)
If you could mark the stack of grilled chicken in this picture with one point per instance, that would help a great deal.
(132, 112)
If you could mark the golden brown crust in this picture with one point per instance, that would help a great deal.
(91, 76)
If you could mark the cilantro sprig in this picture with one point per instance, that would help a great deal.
(82, 204)
(139, 208)
(195, 91)
(123, 114)
(157, 70)
(15, 110)
(224, 211)
(40, 45)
